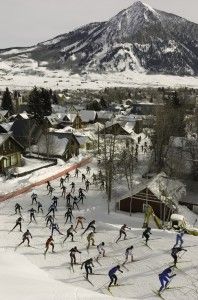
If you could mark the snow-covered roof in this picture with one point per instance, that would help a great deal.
(24, 115)
(163, 187)
(87, 115)
(82, 139)
(3, 137)
(106, 115)
(71, 117)
(7, 126)
(53, 119)
(55, 143)
(3, 112)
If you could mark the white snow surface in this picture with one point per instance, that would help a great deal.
(25, 274)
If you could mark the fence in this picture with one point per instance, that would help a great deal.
(28, 188)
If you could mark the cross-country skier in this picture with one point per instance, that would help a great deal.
(48, 185)
(49, 220)
(39, 207)
(32, 215)
(68, 198)
(18, 223)
(79, 220)
(55, 226)
(51, 209)
(34, 197)
(90, 226)
(50, 190)
(67, 175)
(72, 254)
(128, 252)
(179, 239)
(69, 215)
(87, 184)
(90, 239)
(81, 197)
(72, 187)
(88, 264)
(70, 233)
(55, 202)
(18, 208)
(113, 276)
(26, 237)
(83, 177)
(175, 251)
(164, 278)
(76, 172)
(146, 234)
(61, 181)
(88, 169)
(123, 232)
(64, 189)
(101, 250)
(49, 242)
(75, 202)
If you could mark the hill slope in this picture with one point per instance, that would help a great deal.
(138, 38)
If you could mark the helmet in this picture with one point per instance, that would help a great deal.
(118, 266)
(103, 243)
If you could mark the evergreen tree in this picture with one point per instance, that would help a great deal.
(7, 101)
(54, 98)
(39, 103)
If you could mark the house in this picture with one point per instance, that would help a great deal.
(22, 116)
(57, 144)
(4, 115)
(51, 121)
(114, 129)
(26, 131)
(82, 118)
(10, 152)
(144, 108)
(161, 193)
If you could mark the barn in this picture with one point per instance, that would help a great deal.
(161, 193)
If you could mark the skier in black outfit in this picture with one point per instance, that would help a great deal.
(83, 177)
(55, 202)
(50, 190)
(76, 172)
(146, 234)
(49, 219)
(51, 209)
(88, 266)
(18, 208)
(81, 197)
(34, 198)
(122, 232)
(72, 187)
(68, 198)
(40, 207)
(18, 223)
(88, 169)
(90, 226)
(32, 216)
(64, 189)
(174, 252)
(72, 254)
(87, 184)
(75, 202)
(26, 237)
(55, 226)
(67, 175)
(70, 233)
(61, 181)
(69, 215)
(48, 185)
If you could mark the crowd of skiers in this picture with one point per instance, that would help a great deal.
(73, 199)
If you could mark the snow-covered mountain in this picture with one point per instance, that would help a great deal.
(138, 38)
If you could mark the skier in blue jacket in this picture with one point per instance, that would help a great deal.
(165, 277)
(179, 239)
(113, 276)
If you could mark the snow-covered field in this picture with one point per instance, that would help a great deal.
(34, 277)
(25, 74)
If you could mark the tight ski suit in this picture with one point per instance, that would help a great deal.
(88, 266)
(164, 278)
(174, 252)
(179, 239)
(113, 276)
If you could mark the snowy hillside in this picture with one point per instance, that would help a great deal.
(139, 39)
(53, 277)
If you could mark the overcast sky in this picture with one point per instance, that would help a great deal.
(27, 22)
